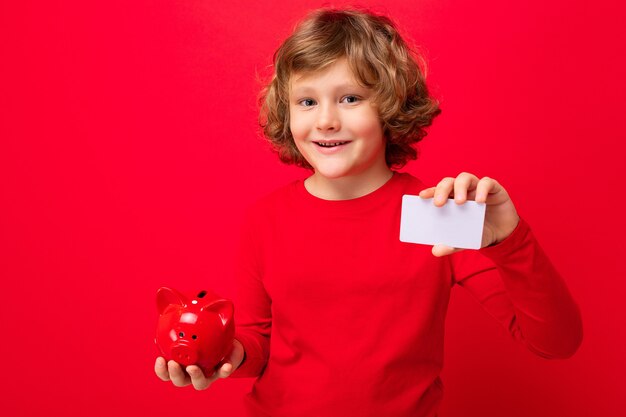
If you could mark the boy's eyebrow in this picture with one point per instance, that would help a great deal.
(306, 89)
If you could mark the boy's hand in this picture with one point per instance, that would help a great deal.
(192, 374)
(500, 215)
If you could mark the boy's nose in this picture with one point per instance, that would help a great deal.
(328, 119)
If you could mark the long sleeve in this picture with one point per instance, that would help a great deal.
(356, 317)
(253, 319)
(524, 292)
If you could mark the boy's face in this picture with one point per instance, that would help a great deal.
(334, 124)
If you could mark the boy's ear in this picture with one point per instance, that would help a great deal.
(167, 296)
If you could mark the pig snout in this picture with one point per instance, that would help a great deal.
(184, 354)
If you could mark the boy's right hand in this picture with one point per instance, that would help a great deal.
(192, 374)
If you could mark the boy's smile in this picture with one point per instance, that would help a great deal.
(337, 129)
(330, 147)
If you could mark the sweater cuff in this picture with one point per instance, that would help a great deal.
(510, 244)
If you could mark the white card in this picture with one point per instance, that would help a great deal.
(459, 226)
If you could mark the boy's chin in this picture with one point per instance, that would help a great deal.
(331, 174)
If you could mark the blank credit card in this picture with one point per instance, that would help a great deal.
(459, 226)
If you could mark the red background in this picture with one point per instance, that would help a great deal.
(129, 150)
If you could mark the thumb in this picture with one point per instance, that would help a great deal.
(443, 250)
(232, 360)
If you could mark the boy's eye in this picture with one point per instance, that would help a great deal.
(351, 99)
(307, 102)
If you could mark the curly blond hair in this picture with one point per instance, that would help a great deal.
(380, 60)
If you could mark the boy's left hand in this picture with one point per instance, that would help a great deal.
(500, 215)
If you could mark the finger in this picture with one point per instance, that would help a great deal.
(443, 191)
(198, 379)
(427, 192)
(160, 368)
(463, 183)
(444, 250)
(225, 370)
(485, 187)
(177, 375)
(430, 192)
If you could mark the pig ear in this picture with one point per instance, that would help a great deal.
(167, 296)
(224, 308)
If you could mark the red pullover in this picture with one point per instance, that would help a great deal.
(339, 318)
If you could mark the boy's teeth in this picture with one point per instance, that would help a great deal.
(329, 145)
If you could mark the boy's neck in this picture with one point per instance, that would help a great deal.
(348, 187)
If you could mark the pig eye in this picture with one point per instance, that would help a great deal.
(194, 337)
(181, 334)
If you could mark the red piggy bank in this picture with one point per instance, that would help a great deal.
(194, 329)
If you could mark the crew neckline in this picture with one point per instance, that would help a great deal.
(365, 201)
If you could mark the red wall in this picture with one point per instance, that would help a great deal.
(129, 149)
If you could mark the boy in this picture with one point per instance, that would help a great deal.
(336, 316)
